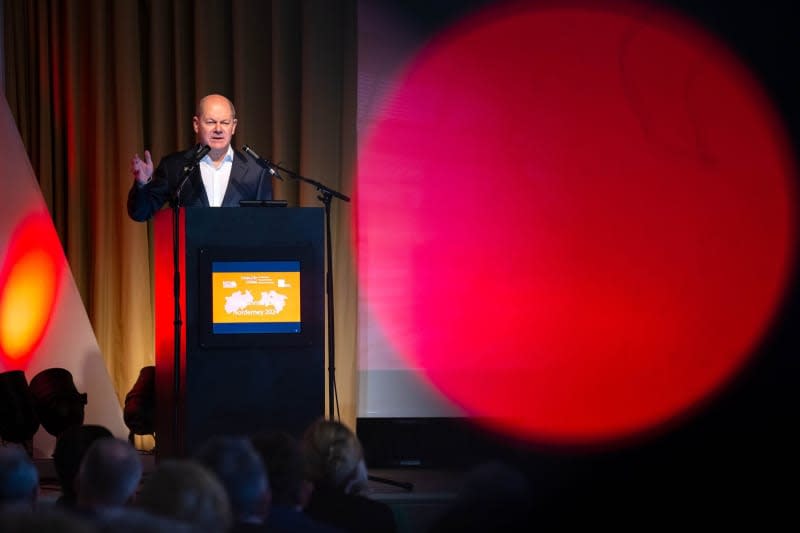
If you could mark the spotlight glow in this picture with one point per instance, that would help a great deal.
(29, 283)
(590, 223)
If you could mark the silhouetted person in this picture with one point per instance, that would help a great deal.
(336, 467)
(19, 479)
(71, 446)
(291, 490)
(187, 492)
(240, 470)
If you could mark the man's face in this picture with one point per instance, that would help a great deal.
(215, 126)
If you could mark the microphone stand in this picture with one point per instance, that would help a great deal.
(325, 196)
(177, 323)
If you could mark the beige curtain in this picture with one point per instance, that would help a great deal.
(92, 82)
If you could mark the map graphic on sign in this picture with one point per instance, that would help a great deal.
(239, 301)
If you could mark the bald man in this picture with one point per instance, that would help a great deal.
(222, 178)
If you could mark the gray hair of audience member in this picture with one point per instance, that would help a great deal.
(109, 474)
(283, 456)
(186, 491)
(334, 456)
(19, 479)
(238, 466)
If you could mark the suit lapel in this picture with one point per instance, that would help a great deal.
(233, 193)
(199, 197)
(193, 193)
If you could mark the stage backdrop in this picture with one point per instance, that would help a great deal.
(43, 322)
(92, 83)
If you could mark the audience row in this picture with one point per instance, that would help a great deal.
(270, 482)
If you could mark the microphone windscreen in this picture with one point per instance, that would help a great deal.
(196, 153)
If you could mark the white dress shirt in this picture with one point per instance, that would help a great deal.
(215, 180)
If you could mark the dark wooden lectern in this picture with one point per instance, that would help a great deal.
(237, 381)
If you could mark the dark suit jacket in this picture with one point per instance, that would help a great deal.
(284, 519)
(350, 512)
(248, 181)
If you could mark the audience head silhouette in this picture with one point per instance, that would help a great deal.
(109, 474)
(19, 479)
(186, 491)
(71, 446)
(284, 460)
(334, 455)
(241, 471)
(336, 467)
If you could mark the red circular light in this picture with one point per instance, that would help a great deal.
(590, 221)
(29, 280)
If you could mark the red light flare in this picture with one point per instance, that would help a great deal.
(30, 279)
(581, 224)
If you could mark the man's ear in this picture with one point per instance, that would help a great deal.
(196, 123)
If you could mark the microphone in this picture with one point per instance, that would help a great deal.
(196, 153)
(263, 162)
(191, 157)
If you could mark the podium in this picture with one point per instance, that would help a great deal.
(252, 340)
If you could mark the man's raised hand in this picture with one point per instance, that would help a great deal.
(142, 169)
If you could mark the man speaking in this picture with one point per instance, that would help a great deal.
(222, 177)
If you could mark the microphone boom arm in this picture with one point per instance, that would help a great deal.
(192, 157)
(326, 194)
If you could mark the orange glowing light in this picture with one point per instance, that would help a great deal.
(26, 302)
(30, 277)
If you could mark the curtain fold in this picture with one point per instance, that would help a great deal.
(91, 83)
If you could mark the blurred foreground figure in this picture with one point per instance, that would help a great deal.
(337, 469)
